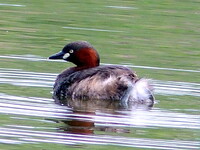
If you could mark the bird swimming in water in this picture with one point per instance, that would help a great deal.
(89, 80)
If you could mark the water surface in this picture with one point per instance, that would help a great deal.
(157, 39)
(39, 120)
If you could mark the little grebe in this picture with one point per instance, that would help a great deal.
(90, 81)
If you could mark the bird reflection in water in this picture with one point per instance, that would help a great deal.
(86, 114)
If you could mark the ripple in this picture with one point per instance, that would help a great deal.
(135, 116)
(83, 118)
(14, 5)
(72, 139)
(39, 58)
(37, 79)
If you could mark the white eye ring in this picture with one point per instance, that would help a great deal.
(71, 51)
(66, 56)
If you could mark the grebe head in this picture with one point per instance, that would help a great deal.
(81, 53)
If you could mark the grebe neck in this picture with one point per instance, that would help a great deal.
(86, 58)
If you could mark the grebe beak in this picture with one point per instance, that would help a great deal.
(58, 55)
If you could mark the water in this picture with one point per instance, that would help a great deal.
(80, 124)
(158, 39)
(33, 120)
(19, 77)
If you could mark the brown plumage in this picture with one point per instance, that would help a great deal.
(87, 80)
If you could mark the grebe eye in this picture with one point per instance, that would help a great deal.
(71, 51)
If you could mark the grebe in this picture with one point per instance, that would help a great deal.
(90, 81)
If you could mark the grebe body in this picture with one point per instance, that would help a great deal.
(90, 81)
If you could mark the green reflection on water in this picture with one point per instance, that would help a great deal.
(161, 34)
